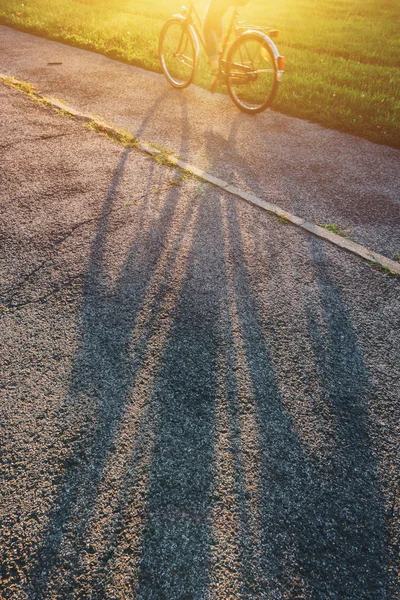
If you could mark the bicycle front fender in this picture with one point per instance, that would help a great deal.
(181, 18)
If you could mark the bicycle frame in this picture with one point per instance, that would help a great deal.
(249, 62)
(193, 20)
(191, 17)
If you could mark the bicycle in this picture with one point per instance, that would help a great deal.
(250, 66)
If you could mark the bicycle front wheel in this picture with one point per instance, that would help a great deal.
(251, 75)
(177, 51)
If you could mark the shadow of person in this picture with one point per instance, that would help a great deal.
(227, 160)
(185, 436)
(156, 112)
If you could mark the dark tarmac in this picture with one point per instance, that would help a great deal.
(198, 400)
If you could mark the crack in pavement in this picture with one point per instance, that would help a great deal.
(42, 299)
(35, 139)
(14, 291)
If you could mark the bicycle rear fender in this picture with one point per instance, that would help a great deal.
(267, 40)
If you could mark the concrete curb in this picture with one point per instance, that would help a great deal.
(369, 255)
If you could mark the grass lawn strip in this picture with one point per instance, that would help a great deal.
(342, 58)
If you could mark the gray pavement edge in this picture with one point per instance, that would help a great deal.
(344, 243)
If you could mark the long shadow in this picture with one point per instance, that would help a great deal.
(85, 382)
(173, 561)
(349, 526)
(104, 373)
(101, 380)
(318, 527)
(176, 540)
(219, 146)
(250, 365)
(324, 527)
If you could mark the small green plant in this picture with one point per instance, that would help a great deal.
(23, 86)
(336, 229)
(281, 218)
(164, 159)
(385, 270)
(186, 175)
(397, 255)
(65, 113)
(388, 272)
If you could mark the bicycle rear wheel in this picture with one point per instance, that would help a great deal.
(178, 53)
(252, 74)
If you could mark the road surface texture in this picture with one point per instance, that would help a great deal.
(199, 401)
(320, 175)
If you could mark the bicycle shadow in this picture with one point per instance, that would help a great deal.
(323, 530)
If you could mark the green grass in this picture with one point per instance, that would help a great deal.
(281, 218)
(343, 57)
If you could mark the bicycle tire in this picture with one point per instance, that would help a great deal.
(252, 73)
(177, 50)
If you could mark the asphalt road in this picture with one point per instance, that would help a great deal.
(321, 175)
(198, 401)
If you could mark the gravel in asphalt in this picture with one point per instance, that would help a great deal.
(198, 400)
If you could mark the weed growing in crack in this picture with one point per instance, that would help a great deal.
(66, 113)
(116, 135)
(281, 218)
(26, 88)
(385, 270)
(164, 160)
(336, 229)
(187, 175)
